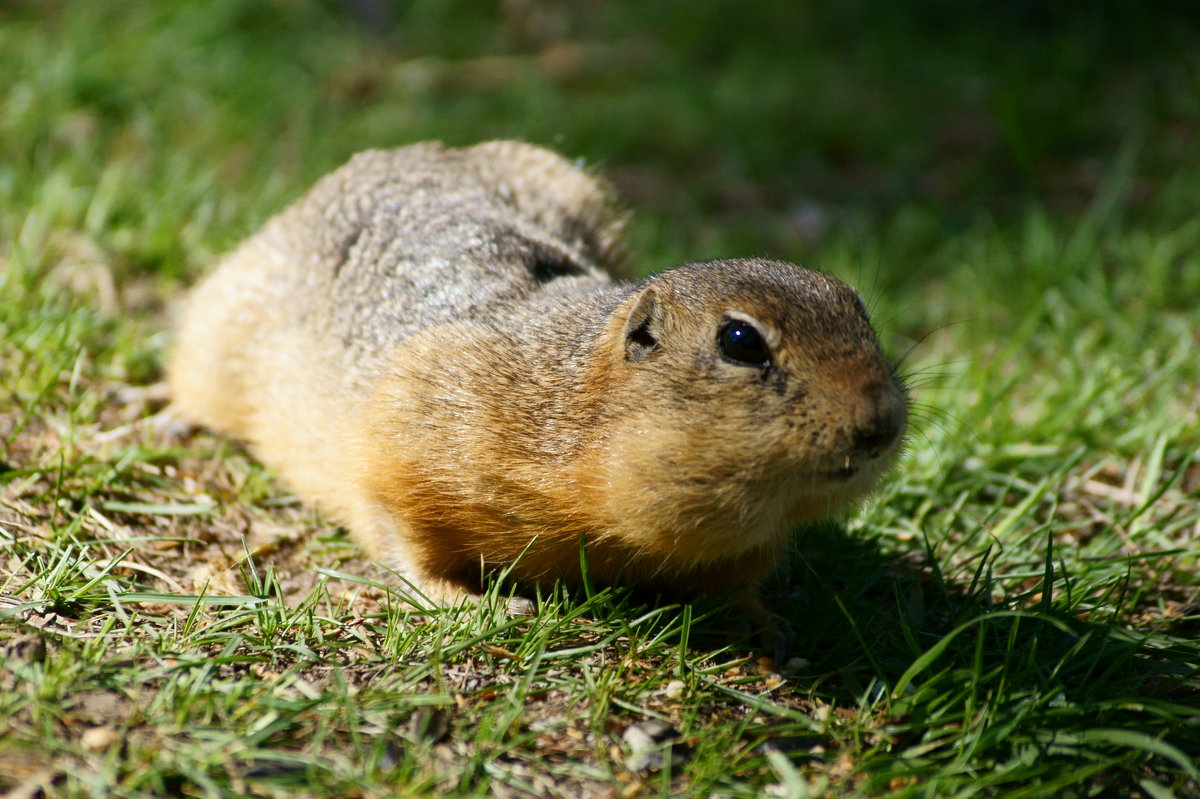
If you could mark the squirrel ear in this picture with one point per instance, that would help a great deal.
(642, 327)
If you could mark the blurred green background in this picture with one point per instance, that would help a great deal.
(777, 127)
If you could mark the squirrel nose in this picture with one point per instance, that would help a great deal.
(883, 425)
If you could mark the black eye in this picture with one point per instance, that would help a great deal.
(742, 343)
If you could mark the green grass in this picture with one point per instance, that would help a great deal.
(1015, 613)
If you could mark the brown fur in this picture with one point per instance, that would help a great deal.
(429, 346)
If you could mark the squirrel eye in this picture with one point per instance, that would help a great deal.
(741, 342)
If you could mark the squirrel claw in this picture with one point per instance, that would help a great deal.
(520, 606)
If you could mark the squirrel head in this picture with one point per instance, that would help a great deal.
(759, 387)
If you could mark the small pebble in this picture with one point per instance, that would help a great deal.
(643, 740)
(795, 665)
(98, 739)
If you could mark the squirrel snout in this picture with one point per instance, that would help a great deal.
(881, 427)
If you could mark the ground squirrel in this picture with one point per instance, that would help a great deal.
(430, 347)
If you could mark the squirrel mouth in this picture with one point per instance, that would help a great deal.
(842, 470)
(843, 474)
